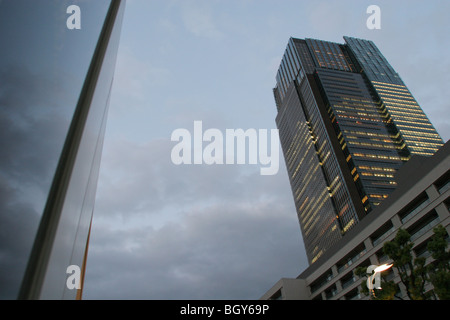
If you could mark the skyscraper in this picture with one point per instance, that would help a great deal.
(56, 69)
(347, 123)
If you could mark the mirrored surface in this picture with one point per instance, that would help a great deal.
(43, 65)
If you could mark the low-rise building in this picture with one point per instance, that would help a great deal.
(420, 202)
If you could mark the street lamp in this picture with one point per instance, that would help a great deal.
(374, 280)
(382, 268)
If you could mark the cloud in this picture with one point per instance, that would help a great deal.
(199, 20)
(143, 178)
(215, 252)
(135, 76)
(162, 231)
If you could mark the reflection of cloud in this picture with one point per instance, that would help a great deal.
(32, 126)
(18, 224)
(32, 130)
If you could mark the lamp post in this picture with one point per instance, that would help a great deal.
(374, 280)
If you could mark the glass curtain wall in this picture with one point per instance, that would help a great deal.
(56, 80)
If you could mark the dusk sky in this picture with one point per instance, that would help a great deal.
(166, 231)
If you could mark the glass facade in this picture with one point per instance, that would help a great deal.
(53, 106)
(315, 207)
(410, 127)
(370, 153)
(362, 124)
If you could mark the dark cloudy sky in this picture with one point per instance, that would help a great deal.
(162, 231)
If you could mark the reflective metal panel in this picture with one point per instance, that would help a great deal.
(43, 67)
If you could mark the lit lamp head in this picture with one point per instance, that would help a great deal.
(382, 268)
(374, 281)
